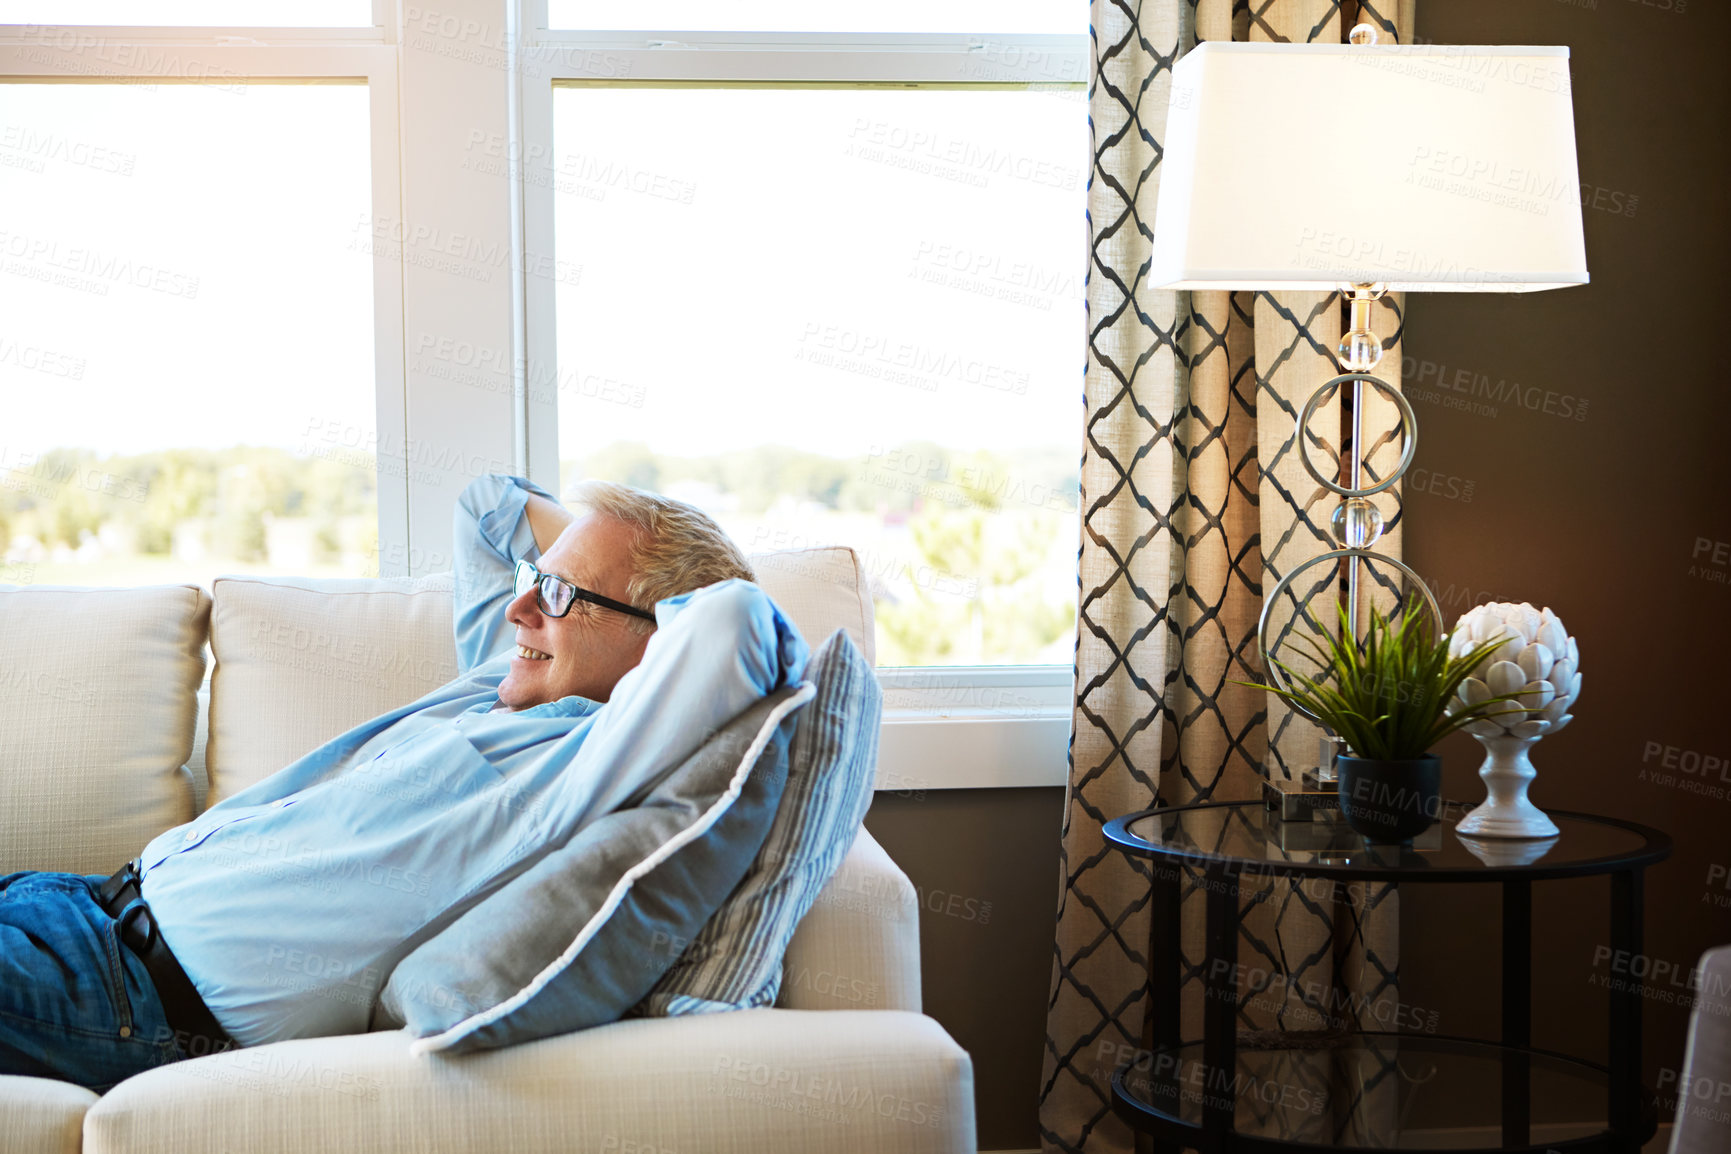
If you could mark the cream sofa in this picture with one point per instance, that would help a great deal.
(109, 739)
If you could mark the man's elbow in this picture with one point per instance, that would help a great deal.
(481, 493)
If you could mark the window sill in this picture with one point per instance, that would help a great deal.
(976, 727)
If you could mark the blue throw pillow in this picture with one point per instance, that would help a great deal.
(735, 962)
(510, 970)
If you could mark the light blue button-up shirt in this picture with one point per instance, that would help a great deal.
(289, 903)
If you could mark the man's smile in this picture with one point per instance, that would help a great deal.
(529, 654)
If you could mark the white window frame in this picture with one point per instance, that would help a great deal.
(204, 55)
(944, 727)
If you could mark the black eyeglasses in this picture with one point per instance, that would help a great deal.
(555, 595)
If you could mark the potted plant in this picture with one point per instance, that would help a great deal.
(1387, 697)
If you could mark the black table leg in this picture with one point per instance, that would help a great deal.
(1166, 954)
(1220, 1008)
(1517, 1008)
(1165, 976)
(1624, 1067)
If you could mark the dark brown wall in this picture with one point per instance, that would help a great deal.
(1611, 519)
(1619, 520)
(985, 863)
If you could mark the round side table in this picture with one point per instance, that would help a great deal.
(1217, 1096)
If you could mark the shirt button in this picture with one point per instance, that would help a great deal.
(282, 803)
(191, 835)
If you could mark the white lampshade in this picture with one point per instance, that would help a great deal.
(1420, 167)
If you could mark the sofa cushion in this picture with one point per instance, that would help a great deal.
(821, 590)
(98, 701)
(734, 963)
(570, 944)
(300, 660)
(42, 1116)
(864, 1082)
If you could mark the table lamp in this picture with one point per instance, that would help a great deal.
(1442, 168)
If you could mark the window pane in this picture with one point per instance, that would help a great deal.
(186, 332)
(840, 316)
(1000, 16)
(197, 13)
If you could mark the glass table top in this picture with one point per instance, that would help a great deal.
(1256, 839)
(1376, 1091)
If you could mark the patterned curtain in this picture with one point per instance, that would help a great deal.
(1194, 501)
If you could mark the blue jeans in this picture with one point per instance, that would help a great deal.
(75, 1002)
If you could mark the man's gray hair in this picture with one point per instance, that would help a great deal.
(678, 547)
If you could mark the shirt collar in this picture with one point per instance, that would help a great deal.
(573, 706)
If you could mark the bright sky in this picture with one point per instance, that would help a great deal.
(280, 13)
(1027, 16)
(826, 268)
(184, 265)
(173, 265)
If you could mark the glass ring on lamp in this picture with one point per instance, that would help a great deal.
(1409, 422)
(1272, 671)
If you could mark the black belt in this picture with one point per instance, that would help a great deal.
(195, 1028)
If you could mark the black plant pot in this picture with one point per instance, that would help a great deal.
(1390, 801)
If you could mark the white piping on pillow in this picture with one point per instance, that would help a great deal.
(672, 845)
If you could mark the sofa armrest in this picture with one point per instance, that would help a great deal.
(1702, 1126)
(859, 946)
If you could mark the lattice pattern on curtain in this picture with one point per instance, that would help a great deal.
(1194, 502)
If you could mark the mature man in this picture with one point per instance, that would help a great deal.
(574, 697)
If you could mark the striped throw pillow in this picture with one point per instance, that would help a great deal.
(734, 962)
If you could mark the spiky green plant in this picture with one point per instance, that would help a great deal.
(1387, 697)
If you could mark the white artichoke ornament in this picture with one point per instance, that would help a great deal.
(1537, 660)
